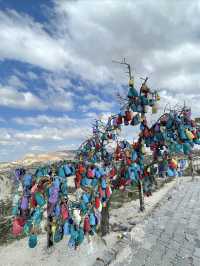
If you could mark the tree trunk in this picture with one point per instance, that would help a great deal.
(141, 196)
(192, 169)
(49, 233)
(105, 228)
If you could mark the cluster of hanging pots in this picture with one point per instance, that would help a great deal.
(137, 105)
(94, 149)
(127, 158)
(174, 133)
(46, 191)
(132, 113)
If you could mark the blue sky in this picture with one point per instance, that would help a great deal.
(56, 66)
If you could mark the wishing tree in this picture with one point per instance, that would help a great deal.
(98, 171)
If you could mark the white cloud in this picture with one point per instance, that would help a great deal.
(44, 120)
(57, 80)
(171, 100)
(101, 105)
(126, 29)
(31, 75)
(185, 53)
(17, 94)
(14, 98)
(92, 115)
(82, 38)
(58, 98)
(98, 105)
(182, 82)
(4, 135)
(15, 82)
(18, 142)
(25, 40)
(36, 148)
(90, 97)
(51, 134)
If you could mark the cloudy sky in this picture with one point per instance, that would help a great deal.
(56, 70)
